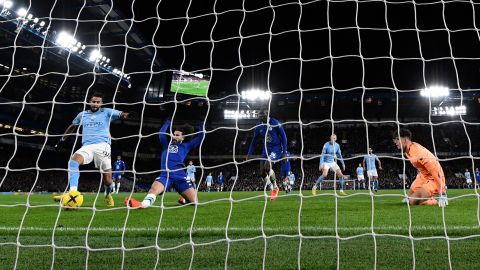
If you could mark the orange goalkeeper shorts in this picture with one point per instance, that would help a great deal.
(428, 184)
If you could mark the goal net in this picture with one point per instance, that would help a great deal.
(270, 82)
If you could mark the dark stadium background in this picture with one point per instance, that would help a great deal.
(350, 87)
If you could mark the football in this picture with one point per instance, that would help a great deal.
(72, 199)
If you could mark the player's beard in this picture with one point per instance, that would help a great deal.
(94, 109)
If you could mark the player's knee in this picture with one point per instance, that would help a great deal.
(412, 201)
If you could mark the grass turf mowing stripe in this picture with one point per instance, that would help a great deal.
(246, 229)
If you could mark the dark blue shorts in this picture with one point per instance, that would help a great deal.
(180, 183)
(117, 176)
(274, 155)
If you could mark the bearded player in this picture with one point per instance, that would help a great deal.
(96, 142)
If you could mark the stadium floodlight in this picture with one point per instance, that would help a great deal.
(42, 24)
(35, 20)
(21, 12)
(7, 4)
(242, 114)
(94, 55)
(30, 16)
(435, 91)
(449, 110)
(108, 60)
(255, 94)
(64, 39)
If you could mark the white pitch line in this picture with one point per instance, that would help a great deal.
(245, 229)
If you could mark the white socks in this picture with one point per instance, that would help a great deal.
(149, 200)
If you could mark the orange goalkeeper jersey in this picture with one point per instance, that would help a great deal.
(427, 165)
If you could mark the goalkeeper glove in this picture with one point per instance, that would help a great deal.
(443, 200)
(60, 144)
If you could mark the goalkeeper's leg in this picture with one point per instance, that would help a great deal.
(422, 192)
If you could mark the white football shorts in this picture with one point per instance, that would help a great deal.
(372, 173)
(191, 178)
(331, 165)
(99, 153)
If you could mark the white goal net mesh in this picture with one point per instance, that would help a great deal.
(363, 70)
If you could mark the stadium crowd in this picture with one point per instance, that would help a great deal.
(450, 142)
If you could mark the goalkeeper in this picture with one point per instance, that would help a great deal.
(172, 173)
(430, 179)
(95, 143)
(274, 147)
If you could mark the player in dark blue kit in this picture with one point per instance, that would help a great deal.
(220, 182)
(286, 174)
(119, 168)
(274, 147)
(174, 153)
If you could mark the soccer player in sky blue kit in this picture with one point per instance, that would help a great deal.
(468, 177)
(220, 182)
(119, 168)
(369, 162)
(173, 154)
(274, 147)
(209, 181)
(328, 160)
(191, 173)
(360, 176)
(95, 143)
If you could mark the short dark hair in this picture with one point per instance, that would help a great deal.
(263, 111)
(185, 129)
(97, 94)
(404, 133)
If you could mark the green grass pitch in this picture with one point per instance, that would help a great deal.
(197, 88)
(295, 233)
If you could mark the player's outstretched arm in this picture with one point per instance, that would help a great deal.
(197, 140)
(71, 128)
(340, 157)
(162, 135)
(322, 157)
(379, 164)
(434, 168)
(283, 137)
(129, 115)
